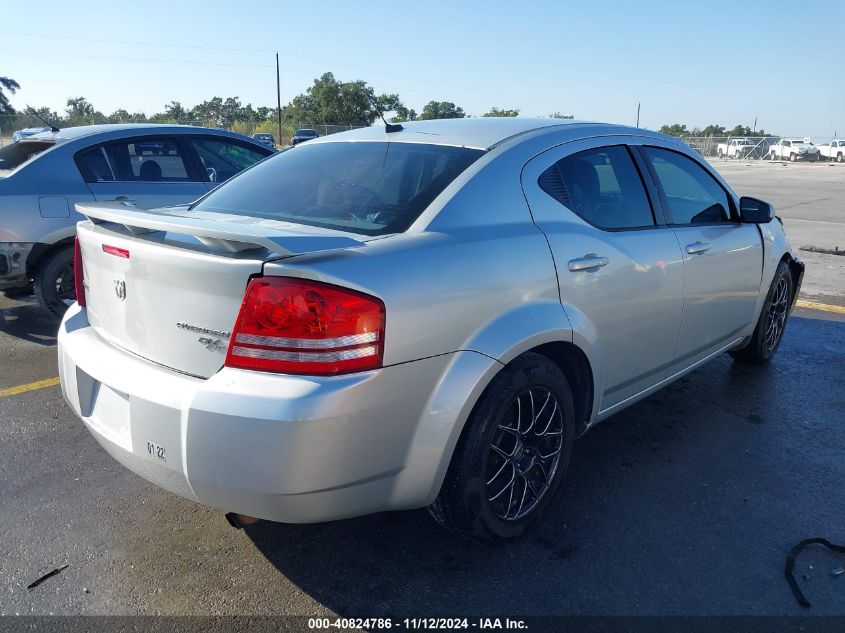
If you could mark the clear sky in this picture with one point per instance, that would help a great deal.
(713, 61)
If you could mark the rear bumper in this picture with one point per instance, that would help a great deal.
(13, 256)
(287, 448)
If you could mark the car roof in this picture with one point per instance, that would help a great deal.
(71, 133)
(480, 132)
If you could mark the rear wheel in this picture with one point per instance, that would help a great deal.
(512, 455)
(793, 157)
(840, 157)
(54, 282)
(768, 334)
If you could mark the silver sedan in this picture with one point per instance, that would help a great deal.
(426, 315)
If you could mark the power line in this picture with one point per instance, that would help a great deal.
(137, 43)
(140, 59)
(231, 49)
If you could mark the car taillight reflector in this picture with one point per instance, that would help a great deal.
(297, 326)
(78, 274)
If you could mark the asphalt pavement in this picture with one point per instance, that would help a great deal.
(686, 503)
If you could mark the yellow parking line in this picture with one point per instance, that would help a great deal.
(814, 305)
(52, 382)
(32, 386)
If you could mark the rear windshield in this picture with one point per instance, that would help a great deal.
(17, 154)
(305, 133)
(372, 188)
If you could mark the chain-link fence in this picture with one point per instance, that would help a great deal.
(744, 147)
(10, 124)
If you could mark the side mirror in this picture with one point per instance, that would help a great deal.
(754, 211)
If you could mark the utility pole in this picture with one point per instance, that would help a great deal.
(755, 125)
(279, 98)
(638, 114)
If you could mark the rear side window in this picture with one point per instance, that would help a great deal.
(372, 188)
(693, 195)
(602, 186)
(16, 154)
(223, 159)
(147, 159)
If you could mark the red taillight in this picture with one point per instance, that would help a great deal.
(114, 250)
(296, 326)
(78, 274)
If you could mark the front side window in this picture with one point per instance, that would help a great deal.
(147, 159)
(372, 188)
(602, 186)
(693, 195)
(223, 159)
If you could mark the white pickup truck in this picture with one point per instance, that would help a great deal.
(835, 149)
(793, 149)
(735, 148)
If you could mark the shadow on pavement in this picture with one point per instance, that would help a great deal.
(686, 503)
(27, 321)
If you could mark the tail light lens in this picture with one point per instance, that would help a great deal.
(78, 274)
(296, 326)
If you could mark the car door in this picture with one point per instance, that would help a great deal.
(151, 171)
(619, 267)
(723, 258)
(221, 158)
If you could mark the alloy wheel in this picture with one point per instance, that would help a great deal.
(65, 285)
(524, 454)
(776, 318)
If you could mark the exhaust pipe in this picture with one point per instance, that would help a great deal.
(240, 521)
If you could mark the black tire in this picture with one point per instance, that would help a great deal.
(775, 313)
(793, 157)
(54, 281)
(839, 157)
(464, 503)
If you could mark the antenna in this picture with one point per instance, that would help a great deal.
(388, 127)
(31, 110)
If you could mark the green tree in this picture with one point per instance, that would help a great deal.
(12, 86)
(559, 115)
(404, 114)
(79, 111)
(174, 112)
(331, 101)
(741, 130)
(713, 130)
(441, 110)
(39, 115)
(501, 112)
(676, 129)
(118, 116)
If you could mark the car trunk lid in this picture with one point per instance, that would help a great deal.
(167, 285)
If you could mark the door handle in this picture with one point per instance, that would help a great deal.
(697, 247)
(590, 261)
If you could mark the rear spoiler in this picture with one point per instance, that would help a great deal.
(227, 232)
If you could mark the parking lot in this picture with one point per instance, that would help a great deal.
(684, 504)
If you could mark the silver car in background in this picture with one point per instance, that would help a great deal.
(44, 175)
(425, 316)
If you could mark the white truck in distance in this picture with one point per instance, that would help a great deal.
(793, 149)
(835, 149)
(735, 148)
